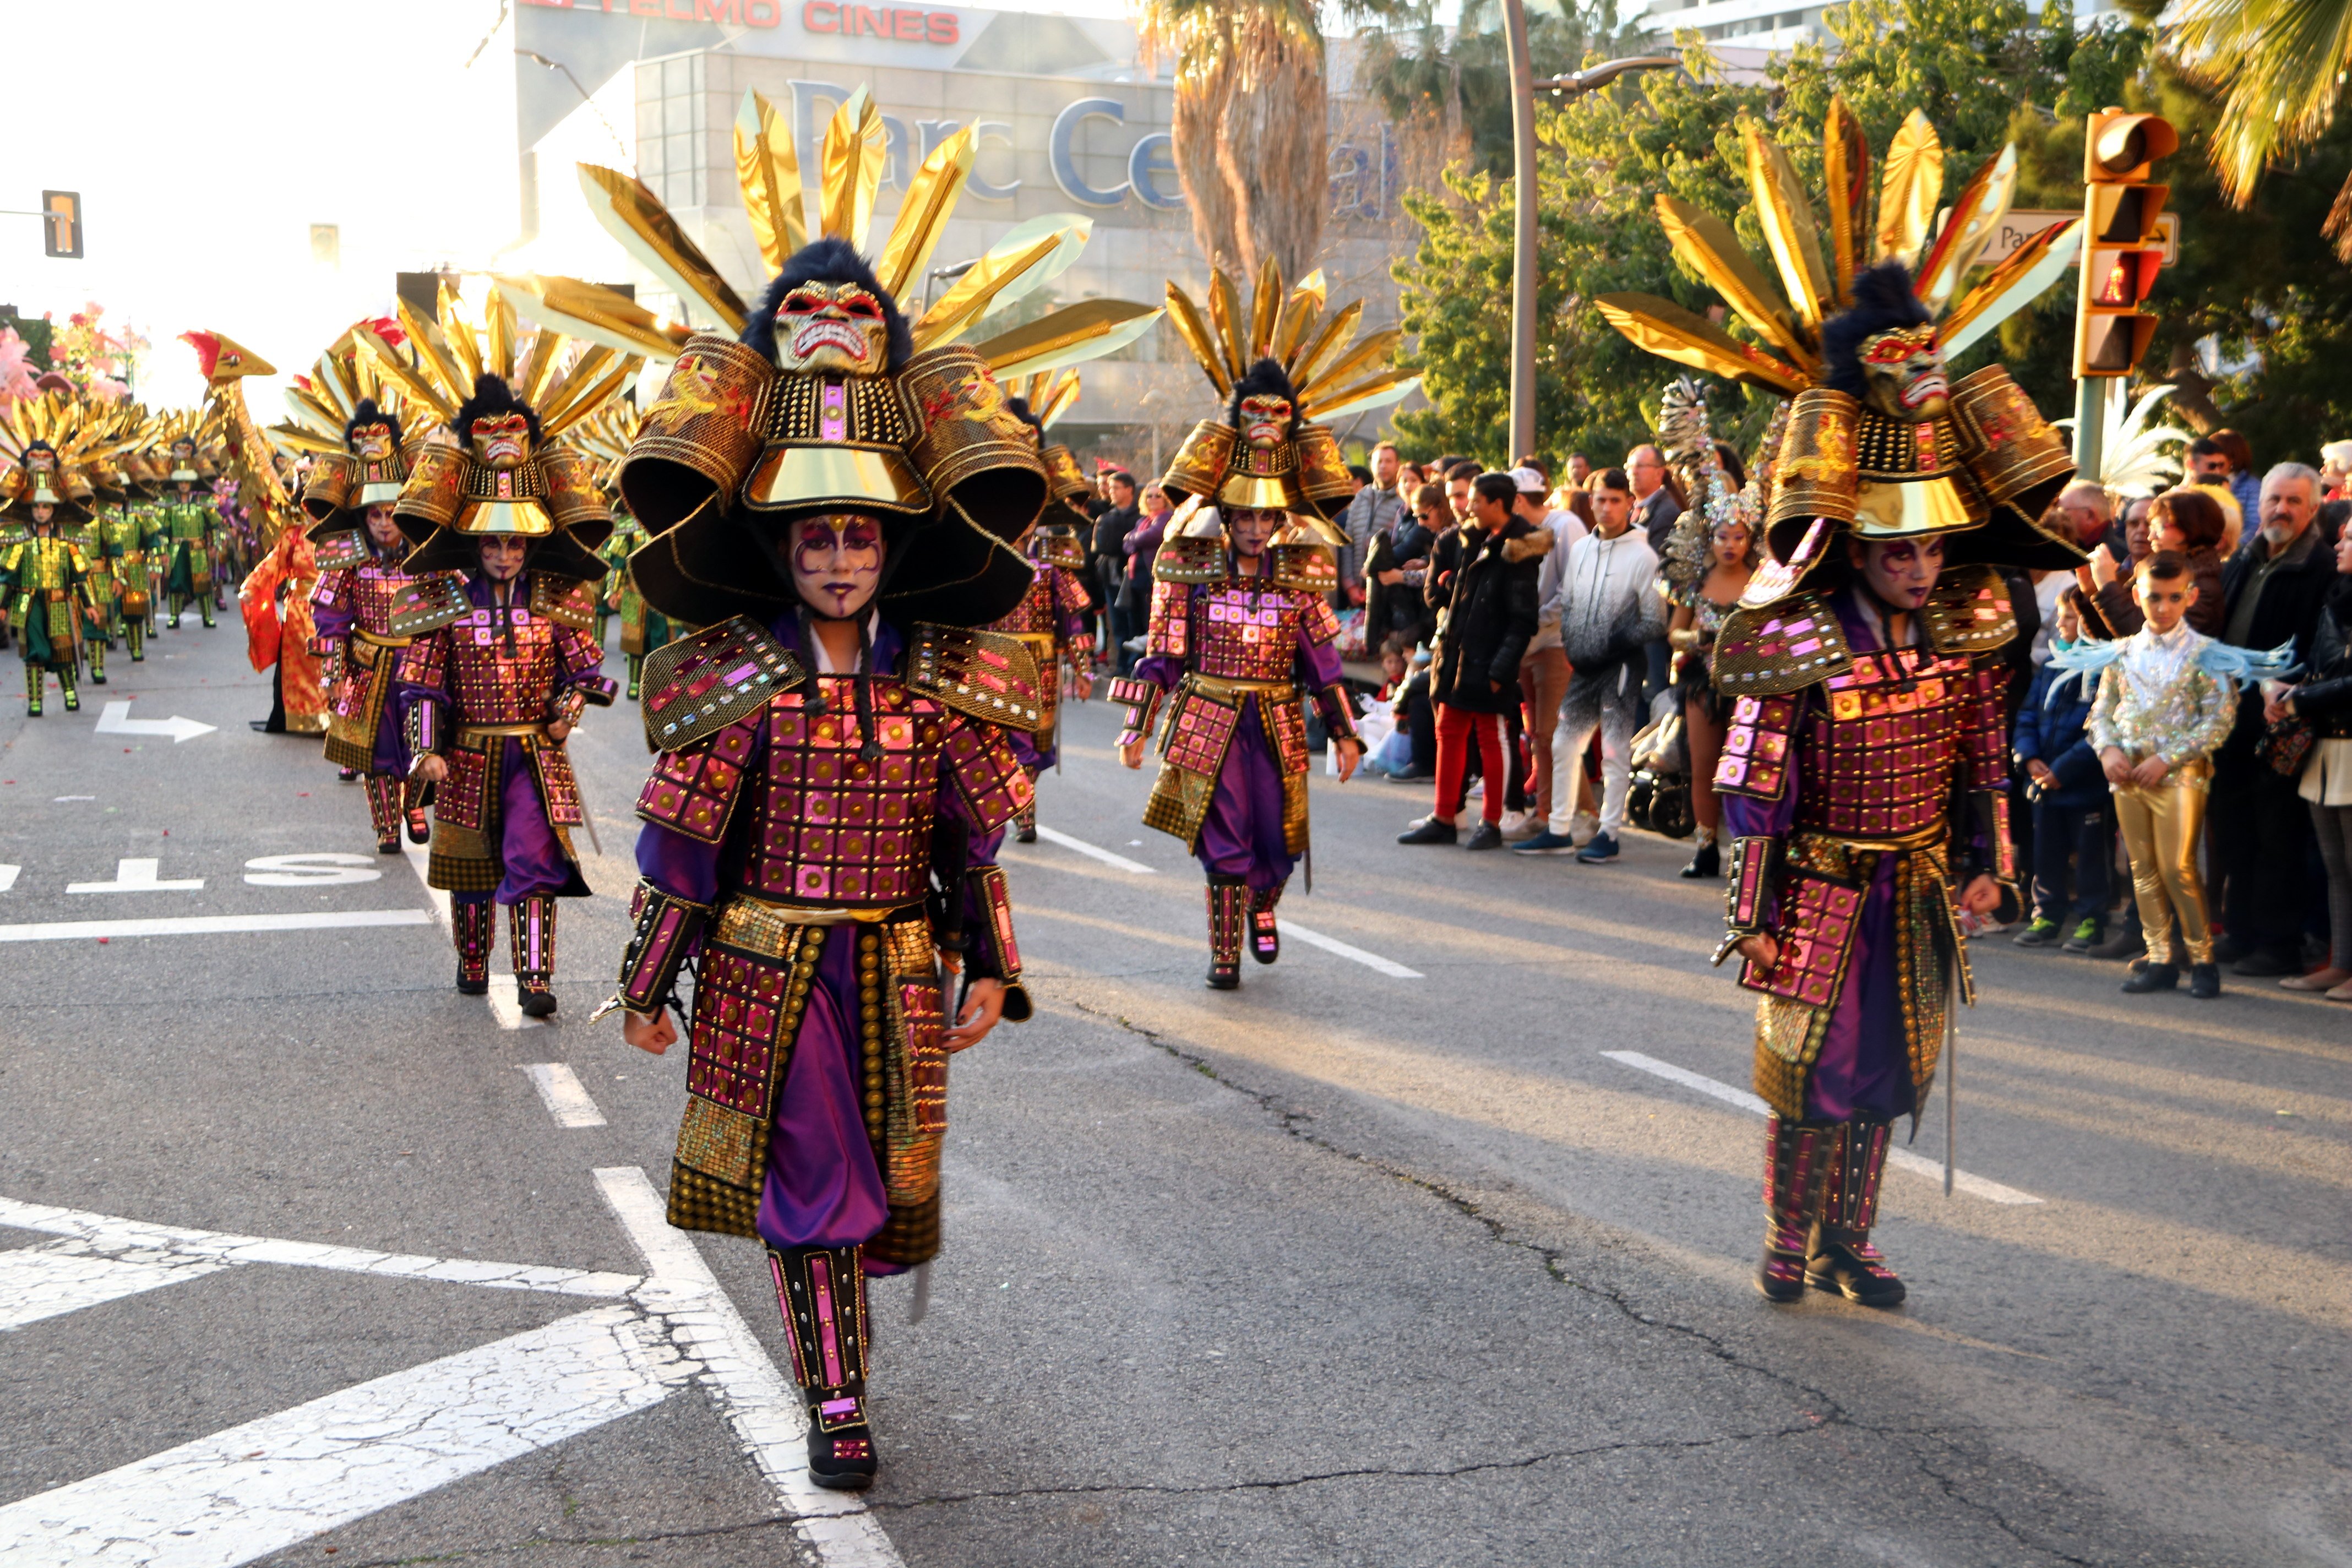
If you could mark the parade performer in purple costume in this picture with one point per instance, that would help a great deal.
(362, 557)
(1241, 628)
(499, 670)
(832, 500)
(1863, 772)
(1053, 618)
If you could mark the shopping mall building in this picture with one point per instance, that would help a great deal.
(1069, 120)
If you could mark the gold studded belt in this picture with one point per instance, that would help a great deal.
(759, 926)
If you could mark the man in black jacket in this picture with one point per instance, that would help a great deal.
(2275, 586)
(1109, 561)
(1489, 600)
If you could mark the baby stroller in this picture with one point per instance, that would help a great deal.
(1660, 797)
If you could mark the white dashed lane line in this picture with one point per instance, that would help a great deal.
(210, 925)
(567, 1100)
(1902, 1159)
(1092, 851)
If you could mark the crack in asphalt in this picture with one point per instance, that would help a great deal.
(1830, 1411)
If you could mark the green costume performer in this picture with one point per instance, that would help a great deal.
(43, 588)
(192, 531)
(642, 628)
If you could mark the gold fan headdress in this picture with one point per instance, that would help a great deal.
(1989, 460)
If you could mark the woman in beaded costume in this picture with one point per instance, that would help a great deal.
(1241, 631)
(363, 556)
(500, 665)
(835, 761)
(1708, 560)
(1053, 618)
(1864, 773)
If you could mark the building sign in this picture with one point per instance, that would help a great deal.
(905, 24)
(723, 13)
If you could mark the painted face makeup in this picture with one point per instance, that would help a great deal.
(1902, 571)
(381, 527)
(500, 441)
(1249, 529)
(836, 564)
(1902, 374)
(502, 558)
(832, 326)
(374, 442)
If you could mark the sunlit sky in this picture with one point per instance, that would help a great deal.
(207, 138)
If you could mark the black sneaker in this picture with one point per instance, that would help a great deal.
(1706, 862)
(537, 1003)
(2085, 938)
(2261, 963)
(844, 1459)
(2041, 934)
(2204, 981)
(1485, 836)
(1857, 1273)
(1430, 831)
(2153, 977)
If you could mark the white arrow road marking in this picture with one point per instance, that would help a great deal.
(9, 876)
(273, 1483)
(1903, 1159)
(138, 1242)
(117, 721)
(1054, 835)
(567, 1100)
(210, 925)
(312, 870)
(38, 1283)
(136, 876)
(764, 1412)
(1333, 944)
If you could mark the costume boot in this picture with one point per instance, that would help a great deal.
(1025, 823)
(1841, 1257)
(134, 634)
(1228, 913)
(179, 603)
(1266, 937)
(822, 1290)
(471, 920)
(33, 682)
(1794, 1154)
(383, 812)
(637, 672)
(96, 646)
(65, 685)
(205, 606)
(531, 924)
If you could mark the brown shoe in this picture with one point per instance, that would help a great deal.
(2317, 980)
(2342, 993)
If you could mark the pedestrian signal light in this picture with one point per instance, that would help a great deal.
(2121, 251)
(61, 224)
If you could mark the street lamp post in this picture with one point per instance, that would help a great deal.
(1524, 87)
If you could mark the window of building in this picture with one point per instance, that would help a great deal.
(670, 130)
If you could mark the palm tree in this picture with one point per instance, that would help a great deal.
(1250, 143)
(2278, 67)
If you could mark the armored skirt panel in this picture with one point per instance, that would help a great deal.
(1862, 782)
(188, 531)
(353, 607)
(817, 1077)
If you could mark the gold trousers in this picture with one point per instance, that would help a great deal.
(2160, 828)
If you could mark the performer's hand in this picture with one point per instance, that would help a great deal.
(983, 1004)
(429, 769)
(652, 1035)
(1981, 896)
(1763, 950)
(1082, 685)
(1131, 753)
(2115, 765)
(2150, 773)
(1351, 751)
(557, 729)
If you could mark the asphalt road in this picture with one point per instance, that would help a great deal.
(1352, 1267)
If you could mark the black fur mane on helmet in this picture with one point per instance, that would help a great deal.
(827, 261)
(491, 395)
(37, 444)
(1266, 378)
(1882, 302)
(1022, 411)
(367, 413)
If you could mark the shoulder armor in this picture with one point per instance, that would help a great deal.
(342, 549)
(1782, 647)
(1190, 561)
(426, 604)
(1970, 612)
(699, 685)
(1307, 567)
(986, 675)
(563, 601)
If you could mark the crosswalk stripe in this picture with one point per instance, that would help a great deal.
(210, 925)
(38, 1282)
(273, 1483)
(566, 1097)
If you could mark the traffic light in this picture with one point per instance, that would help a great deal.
(2121, 251)
(61, 224)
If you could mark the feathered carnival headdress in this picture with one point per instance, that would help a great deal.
(827, 398)
(1879, 443)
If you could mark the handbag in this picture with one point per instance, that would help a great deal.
(2286, 744)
